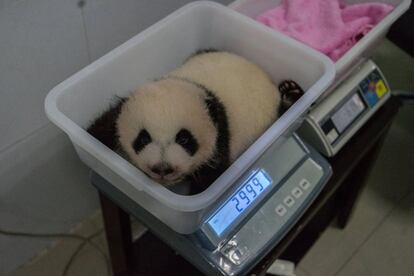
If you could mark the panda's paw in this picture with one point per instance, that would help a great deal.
(290, 90)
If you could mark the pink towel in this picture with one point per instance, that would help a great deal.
(329, 26)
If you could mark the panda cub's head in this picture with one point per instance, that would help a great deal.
(166, 130)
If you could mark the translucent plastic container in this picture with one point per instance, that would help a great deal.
(361, 50)
(76, 102)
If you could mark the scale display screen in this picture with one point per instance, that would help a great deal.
(240, 201)
(348, 112)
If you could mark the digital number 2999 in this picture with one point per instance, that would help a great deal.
(243, 196)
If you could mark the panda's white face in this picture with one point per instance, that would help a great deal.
(166, 130)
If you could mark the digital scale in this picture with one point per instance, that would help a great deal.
(262, 206)
(270, 197)
(338, 117)
(248, 220)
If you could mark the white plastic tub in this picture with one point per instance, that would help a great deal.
(73, 104)
(364, 47)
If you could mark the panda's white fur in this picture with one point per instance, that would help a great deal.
(183, 99)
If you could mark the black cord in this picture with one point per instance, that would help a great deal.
(85, 241)
(406, 97)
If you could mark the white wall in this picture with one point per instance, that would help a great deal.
(43, 186)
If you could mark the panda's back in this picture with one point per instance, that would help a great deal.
(250, 99)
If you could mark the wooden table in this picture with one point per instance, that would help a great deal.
(151, 256)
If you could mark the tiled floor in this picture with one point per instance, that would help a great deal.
(379, 239)
(89, 261)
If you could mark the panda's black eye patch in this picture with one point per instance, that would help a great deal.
(143, 139)
(185, 139)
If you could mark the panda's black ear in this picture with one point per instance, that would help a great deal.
(104, 127)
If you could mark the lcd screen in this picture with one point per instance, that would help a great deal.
(240, 201)
(348, 112)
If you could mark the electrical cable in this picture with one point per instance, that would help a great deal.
(406, 97)
(85, 241)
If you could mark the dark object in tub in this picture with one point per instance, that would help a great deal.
(104, 127)
(291, 92)
(204, 51)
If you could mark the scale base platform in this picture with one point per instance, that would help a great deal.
(260, 232)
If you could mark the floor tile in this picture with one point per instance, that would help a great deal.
(137, 229)
(50, 266)
(392, 177)
(283, 267)
(53, 260)
(97, 219)
(102, 243)
(335, 246)
(301, 271)
(89, 262)
(389, 251)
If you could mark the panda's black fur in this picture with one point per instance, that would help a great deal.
(104, 127)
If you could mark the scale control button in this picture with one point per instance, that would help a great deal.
(304, 184)
(297, 192)
(281, 210)
(289, 201)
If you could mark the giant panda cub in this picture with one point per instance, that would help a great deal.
(190, 125)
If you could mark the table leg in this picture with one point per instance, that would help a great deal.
(118, 234)
(349, 192)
